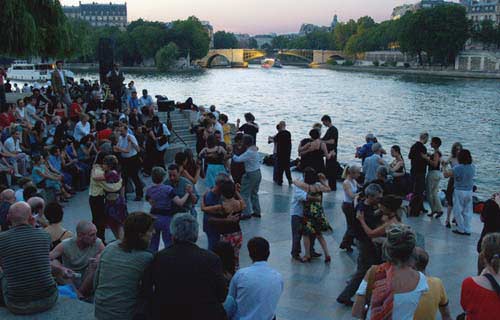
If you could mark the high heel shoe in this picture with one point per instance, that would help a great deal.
(438, 214)
(328, 259)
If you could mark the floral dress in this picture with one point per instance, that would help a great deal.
(315, 221)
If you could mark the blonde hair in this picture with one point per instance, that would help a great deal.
(349, 170)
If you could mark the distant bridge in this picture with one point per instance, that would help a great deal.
(241, 57)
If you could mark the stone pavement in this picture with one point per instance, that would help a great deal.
(311, 289)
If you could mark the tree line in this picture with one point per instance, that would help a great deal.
(434, 35)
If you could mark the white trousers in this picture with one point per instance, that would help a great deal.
(462, 209)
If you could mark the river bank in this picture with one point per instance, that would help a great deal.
(416, 72)
(94, 67)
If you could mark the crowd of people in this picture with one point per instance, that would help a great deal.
(105, 139)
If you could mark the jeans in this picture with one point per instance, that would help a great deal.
(462, 209)
(29, 307)
(432, 184)
(162, 226)
(250, 192)
(212, 238)
(366, 258)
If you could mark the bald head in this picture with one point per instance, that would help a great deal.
(37, 204)
(8, 195)
(20, 213)
(84, 226)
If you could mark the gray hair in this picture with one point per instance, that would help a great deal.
(382, 171)
(399, 244)
(83, 226)
(184, 228)
(158, 174)
(376, 147)
(373, 190)
(37, 204)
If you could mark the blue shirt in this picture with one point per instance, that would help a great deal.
(250, 158)
(463, 175)
(365, 151)
(146, 101)
(370, 167)
(133, 103)
(180, 191)
(162, 196)
(56, 162)
(298, 199)
(257, 290)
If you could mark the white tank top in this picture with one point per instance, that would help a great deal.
(354, 188)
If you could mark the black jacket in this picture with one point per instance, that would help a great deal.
(183, 282)
(491, 219)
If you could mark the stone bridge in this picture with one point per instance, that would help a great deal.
(241, 57)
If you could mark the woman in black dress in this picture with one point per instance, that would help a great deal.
(312, 152)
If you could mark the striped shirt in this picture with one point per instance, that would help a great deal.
(24, 254)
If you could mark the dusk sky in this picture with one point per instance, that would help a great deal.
(257, 16)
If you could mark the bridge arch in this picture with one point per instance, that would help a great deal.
(211, 58)
(305, 58)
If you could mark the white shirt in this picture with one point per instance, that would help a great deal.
(81, 130)
(30, 112)
(298, 199)
(124, 144)
(218, 127)
(61, 74)
(405, 303)
(256, 290)
(11, 145)
(19, 195)
(26, 89)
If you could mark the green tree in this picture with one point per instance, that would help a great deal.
(252, 43)
(225, 40)
(166, 56)
(190, 36)
(486, 33)
(148, 39)
(280, 42)
(343, 31)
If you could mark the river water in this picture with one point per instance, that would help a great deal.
(396, 108)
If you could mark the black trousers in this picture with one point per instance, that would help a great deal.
(417, 200)
(331, 172)
(283, 166)
(350, 218)
(367, 257)
(98, 209)
(3, 105)
(130, 170)
(297, 236)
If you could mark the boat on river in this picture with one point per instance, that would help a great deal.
(22, 70)
(269, 63)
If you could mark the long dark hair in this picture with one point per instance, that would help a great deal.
(310, 175)
(135, 227)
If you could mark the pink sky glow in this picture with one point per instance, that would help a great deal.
(257, 16)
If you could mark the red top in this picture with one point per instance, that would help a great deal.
(75, 107)
(479, 303)
(104, 134)
(6, 119)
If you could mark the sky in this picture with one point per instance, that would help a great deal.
(257, 16)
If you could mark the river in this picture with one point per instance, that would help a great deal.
(395, 108)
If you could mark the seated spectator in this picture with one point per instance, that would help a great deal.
(76, 109)
(27, 285)
(23, 183)
(37, 205)
(257, 289)
(44, 178)
(146, 103)
(433, 300)
(7, 199)
(16, 157)
(162, 199)
(480, 295)
(54, 214)
(121, 267)
(392, 288)
(79, 258)
(184, 281)
(82, 128)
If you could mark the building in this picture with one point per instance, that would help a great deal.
(307, 28)
(210, 30)
(481, 10)
(99, 14)
(264, 39)
(400, 11)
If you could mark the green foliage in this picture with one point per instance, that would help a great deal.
(252, 43)
(440, 32)
(190, 36)
(348, 63)
(30, 27)
(332, 62)
(487, 33)
(148, 39)
(343, 31)
(316, 40)
(376, 63)
(225, 40)
(166, 56)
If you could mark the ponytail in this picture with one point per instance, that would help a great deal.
(345, 172)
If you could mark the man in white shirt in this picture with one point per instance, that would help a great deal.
(30, 111)
(82, 128)
(146, 104)
(18, 158)
(131, 164)
(256, 289)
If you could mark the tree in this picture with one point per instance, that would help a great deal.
(343, 31)
(440, 32)
(33, 27)
(190, 36)
(225, 40)
(252, 43)
(166, 56)
(486, 33)
(280, 42)
(148, 39)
